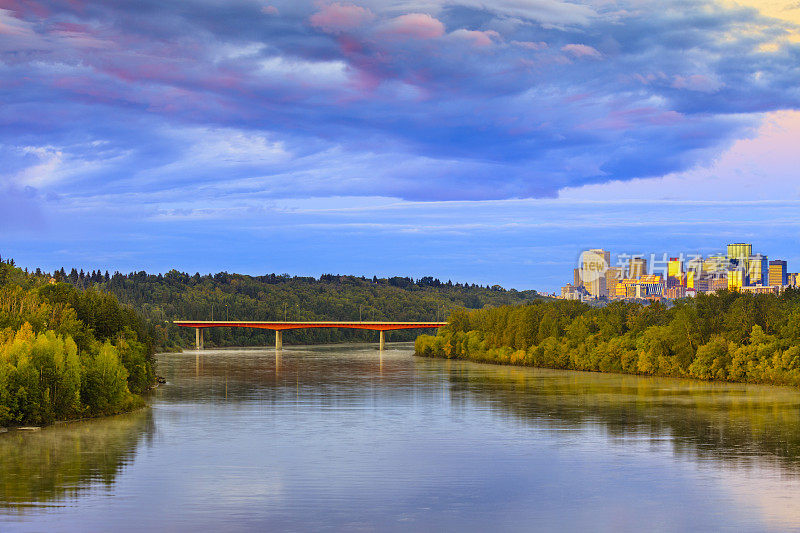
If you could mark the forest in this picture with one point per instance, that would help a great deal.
(727, 336)
(67, 353)
(161, 298)
(82, 344)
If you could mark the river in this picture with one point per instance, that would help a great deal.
(335, 438)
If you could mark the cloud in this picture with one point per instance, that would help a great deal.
(270, 10)
(697, 82)
(546, 12)
(426, 100)
(338, 18)
(581, 50)
(478, 38)
(414, 25)
(11, 26)
(541, 45)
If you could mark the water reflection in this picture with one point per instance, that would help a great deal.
(734, 423)
(58, 463)
(350, 438)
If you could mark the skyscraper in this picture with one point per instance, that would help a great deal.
(675, 267)
(675, 272)
(638, 267)
(716, 266)
(740, 251)
(777, 273)
(613, 277)
(593, 265)
(757, 270)
(736, 279)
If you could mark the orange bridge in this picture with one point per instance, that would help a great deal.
(279, 327)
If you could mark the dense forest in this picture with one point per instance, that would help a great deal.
(725, 336)
(160, 299)
(67, 353)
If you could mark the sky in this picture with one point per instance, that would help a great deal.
(483, 142)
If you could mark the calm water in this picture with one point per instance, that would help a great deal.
(342, 438)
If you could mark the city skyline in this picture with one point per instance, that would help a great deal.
(662, 276)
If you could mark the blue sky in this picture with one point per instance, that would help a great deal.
(476, 141)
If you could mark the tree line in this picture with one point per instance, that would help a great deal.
(161, 298)
(727, 336)
(67, 353)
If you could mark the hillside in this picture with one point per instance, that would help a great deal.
(160, 299)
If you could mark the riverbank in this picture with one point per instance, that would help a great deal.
(140, 406)
(277, 441)
(726, 337)
(67, 353)
(521, 358)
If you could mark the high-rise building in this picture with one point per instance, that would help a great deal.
(576, 278)
(593, 265)
(637, 267)
(717, 284)
(613, 277)
(716, 266)
(777, 273)
(675, 277)
(737, 279)
(675, 268)
(739, 251)
(696, 282)
(757, 272)
(694, 272)
(791, 279)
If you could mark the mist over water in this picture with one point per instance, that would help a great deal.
(346, 438)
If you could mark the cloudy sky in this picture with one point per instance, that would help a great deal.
(476, 141)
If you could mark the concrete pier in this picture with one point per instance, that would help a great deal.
(383, 340)
(278, 339)
(198, 338)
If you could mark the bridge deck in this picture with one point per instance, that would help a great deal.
(281, 326)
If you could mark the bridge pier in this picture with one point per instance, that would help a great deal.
(278, 339)
(382, 340)
(198, 338)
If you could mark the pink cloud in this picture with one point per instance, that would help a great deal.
(415, 25)
(625, 119)
(23, 8)
(478, 38)
(697, 82)
(338, 18)
(10, 25)
(581, 50)
(270, 10)
(80, 36)
(541, 45)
